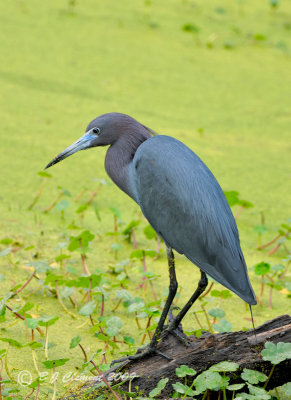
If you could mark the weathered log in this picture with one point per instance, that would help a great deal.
(243, 347)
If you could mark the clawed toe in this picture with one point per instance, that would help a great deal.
(179, 334)
(141, 353)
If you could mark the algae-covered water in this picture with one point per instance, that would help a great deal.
(216, 75)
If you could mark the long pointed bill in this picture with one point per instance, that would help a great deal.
(81, 144)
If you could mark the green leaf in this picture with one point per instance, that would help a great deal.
(137, 305)
(287, 227)
(86, 281)
(287, 388)
(259, 37)
(73, 226)
(6, 241)
(216, 312)
(279, 268)
(115, 212)
(27, 306)
(232, 197)
(180, 388)
(12, 342)
(253, 376)
(81, 242)
(47, 320)
(66, 292)
(3, 352)
(124, 295)
(262, 268)
(130, 226)
(129, 340)
(113, 325)
(88, 308)
(44, 174)
(137, 254)
(190, 28)
(208, 380)
(75, 341)
(183, 371)
(64, 191)
(5, 252)
(82, 208)
(62, 205)
(3, 303)
(150, 253)
(116, 247)
(49, 364)
(158, 389)
(276, 353)
(225, 294)
(62, 257)
(258, 392)
(32, 323)
(198, 333)
(223, 326)
(215, 293)
(274, 3)
(34, 345)
(52, 278)
(224, 382)
(236, 386)
(149, 232)
(261, 229)
(39, 266)
(224, 366)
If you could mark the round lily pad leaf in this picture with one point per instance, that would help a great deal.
(55, 363)
(216, 312)
(184, 389)
(236, 386)
(183, 371)
(224, 366)
(276, 353)
(253, 376)
(208, 380)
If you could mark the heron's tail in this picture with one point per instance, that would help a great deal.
(254, 329)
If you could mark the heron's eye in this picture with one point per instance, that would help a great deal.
(96, 131)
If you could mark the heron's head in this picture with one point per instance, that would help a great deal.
(105, 130)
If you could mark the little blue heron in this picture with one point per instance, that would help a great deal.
(180, 198)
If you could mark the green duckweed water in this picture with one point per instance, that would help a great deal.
(221, 84)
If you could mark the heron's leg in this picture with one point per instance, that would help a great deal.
(172, 293)
(151, 348)
(200, 289)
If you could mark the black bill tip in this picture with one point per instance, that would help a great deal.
(53, 162)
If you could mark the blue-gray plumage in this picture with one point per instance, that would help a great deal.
(184, 203)
(179, 196)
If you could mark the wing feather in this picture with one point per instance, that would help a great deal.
(184, 203)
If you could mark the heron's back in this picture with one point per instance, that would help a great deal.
(184, 203)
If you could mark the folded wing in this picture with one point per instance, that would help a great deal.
(184, 203)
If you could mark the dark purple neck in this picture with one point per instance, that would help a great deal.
(119, 156)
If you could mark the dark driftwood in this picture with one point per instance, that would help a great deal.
(240, 347)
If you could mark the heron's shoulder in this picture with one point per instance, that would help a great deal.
(164, 149)
(162, 140)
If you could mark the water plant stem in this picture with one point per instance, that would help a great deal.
(61, 302)
(105, 381)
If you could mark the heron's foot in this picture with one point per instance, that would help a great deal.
(142, 352)
(178, 333)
